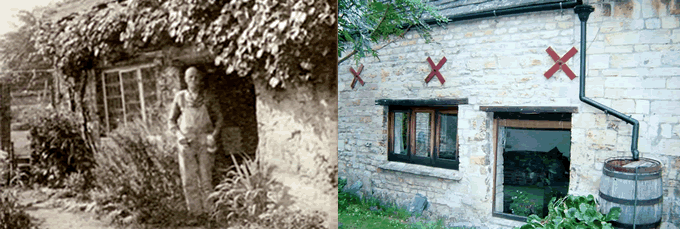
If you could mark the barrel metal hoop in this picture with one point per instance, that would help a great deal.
(626, 176)
(616, 200)
(639, 226)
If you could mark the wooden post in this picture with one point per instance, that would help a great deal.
(5, 127)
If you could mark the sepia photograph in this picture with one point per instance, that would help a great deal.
(496, 114)
(168, 114)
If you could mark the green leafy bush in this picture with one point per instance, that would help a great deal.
(573, 212)
(58, 148)
(139, 175)
(12, 215)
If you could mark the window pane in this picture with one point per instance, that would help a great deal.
(400, 133)
(423, 134)
(447, 137)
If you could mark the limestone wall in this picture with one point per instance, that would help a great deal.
(633, 66)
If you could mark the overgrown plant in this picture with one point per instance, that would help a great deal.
(250, 195)
(12, 215)
(573, 212)
(58, 148)
(248, 191)
(139, 174)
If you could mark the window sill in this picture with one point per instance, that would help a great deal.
(422, 170)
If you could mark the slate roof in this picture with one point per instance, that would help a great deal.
(450, 8)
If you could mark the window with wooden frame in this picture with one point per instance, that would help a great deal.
(424, 135)
(532, 154)
(126, 94)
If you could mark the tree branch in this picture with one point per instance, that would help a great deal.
(343, 59)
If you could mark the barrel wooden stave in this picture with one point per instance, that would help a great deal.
(649, 195)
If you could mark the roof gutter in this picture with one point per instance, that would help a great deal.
(583, 12)
(509, 11)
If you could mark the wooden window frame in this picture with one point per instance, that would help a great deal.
(137, 71)
(435, 135)
(536, 124)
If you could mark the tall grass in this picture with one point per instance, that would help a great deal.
(250, 197)
(139, 175)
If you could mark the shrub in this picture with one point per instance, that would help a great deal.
(58, 148)
(573, 212)
(139, 175)
(12, 215)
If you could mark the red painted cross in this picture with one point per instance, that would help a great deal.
(356, 76)
(560, 63)
(435, 70)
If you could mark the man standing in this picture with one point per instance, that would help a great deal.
(191, 120)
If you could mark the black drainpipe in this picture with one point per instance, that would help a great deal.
(583, 12)
(515, 10)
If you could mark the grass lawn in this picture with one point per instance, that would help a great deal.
(360, 216)
(369, 213)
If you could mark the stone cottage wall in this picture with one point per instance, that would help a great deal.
(633, 66)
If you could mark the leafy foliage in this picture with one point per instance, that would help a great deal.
(522, 205)
(573, 212)
(345, 199)
(16, 47)
(139, 174)
(364, 22)
(12, 215)
(281, 41)
(250, 195)
(58, 148)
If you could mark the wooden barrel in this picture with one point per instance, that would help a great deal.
(617, 189)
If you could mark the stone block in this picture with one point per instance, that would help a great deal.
(642, 106)
(623, 61)
(666, 130)
(622, 82)
(670, 22)
(589, 120)
(670, 58)
(665, 107)
(662, 36)
(625, 106)
(596, 47)
(664, 71)
(654, 83)
(625, 72)
(669, 145)
(418, 204)
(676, 131)
(623, 38)
(648, 59)
(648, 8)
(598, 61)
(641, 48)
(623, 143)
(652, 23)
(663, 94)
(619, 49)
